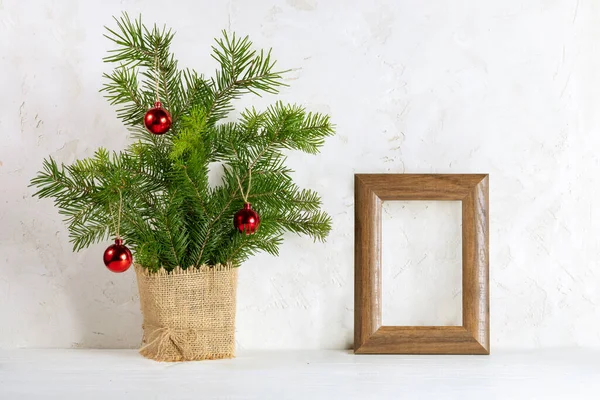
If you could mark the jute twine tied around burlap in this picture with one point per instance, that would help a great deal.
(188, 314)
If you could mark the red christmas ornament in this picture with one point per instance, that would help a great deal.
(117, 257)
(157, 120)
(246, 220)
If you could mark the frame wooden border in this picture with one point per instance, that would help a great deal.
(370, 337)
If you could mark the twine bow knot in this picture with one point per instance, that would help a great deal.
(164, 336)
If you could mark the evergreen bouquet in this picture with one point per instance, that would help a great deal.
(188, 238)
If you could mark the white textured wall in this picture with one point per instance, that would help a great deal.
(508, 87)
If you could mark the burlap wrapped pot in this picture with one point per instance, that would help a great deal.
(188, 314)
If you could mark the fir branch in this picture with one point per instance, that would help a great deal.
(122, 89)
(166, 220)
(212, 223)
(170, 214)
(243, 70)
(140, 47)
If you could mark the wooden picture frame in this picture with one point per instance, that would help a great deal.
(370, 337)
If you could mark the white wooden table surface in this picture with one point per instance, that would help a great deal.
(123, 374)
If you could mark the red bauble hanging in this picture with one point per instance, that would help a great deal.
(246, 220)
(117, 257)
(157, 120)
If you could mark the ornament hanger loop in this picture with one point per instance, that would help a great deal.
(119, 215)
(157, 73)
(245, 195)
(117, 223)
